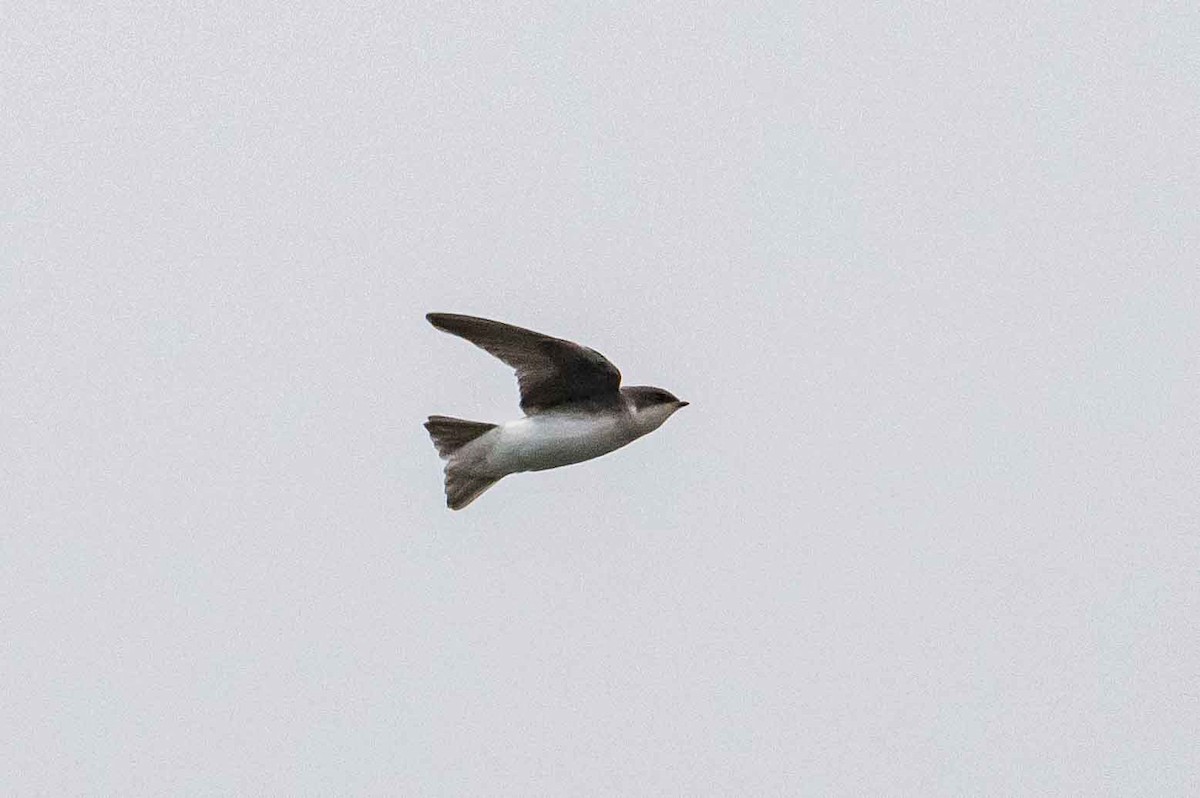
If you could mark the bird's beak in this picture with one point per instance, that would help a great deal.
(681, 403)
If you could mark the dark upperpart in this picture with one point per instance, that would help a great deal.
(643, 396)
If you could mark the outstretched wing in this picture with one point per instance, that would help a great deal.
(550, 371)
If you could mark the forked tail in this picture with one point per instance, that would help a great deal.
(449, 435)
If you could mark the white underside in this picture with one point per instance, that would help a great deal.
(551, 440)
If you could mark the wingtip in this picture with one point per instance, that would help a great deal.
(444, 321)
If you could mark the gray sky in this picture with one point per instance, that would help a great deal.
(928, 275)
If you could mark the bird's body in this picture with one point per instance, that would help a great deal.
(554, 439)
(575, 410)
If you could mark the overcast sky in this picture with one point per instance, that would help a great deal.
(926, 273)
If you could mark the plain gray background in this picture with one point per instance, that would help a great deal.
(927, 273)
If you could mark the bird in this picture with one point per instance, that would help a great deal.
(575, 409)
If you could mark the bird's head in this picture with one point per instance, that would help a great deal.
(651, 406)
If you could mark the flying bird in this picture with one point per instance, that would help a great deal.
(575, 409)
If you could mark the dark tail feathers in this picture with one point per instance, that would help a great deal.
(451, 434)
(463, 487)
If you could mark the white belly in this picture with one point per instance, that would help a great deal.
(552, 440)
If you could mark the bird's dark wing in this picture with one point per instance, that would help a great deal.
(550, 371)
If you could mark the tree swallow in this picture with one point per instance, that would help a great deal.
(575, 409)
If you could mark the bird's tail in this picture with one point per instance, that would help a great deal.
(463, 485)
(451, 434)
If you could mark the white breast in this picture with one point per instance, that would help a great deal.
(551, 440)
